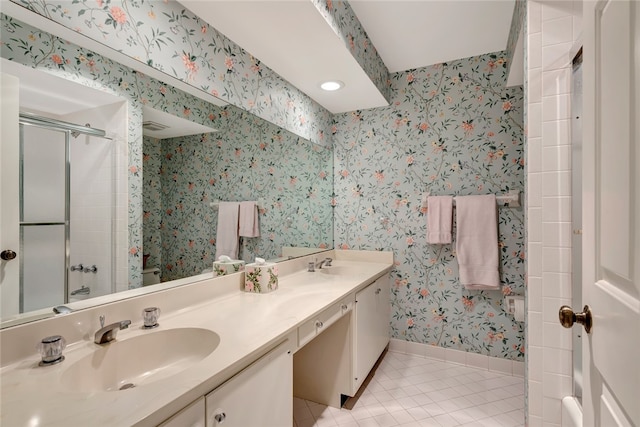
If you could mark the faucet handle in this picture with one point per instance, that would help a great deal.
(93, 269)
(328, 261)
(50, 349)
(150, 317)
(102, 319)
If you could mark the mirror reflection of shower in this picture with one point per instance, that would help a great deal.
(66, 212)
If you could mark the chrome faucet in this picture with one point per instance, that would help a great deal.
(84, 290)
(108, 333)
(78, 267)
(325, 262)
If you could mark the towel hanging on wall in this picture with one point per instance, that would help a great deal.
(439, 219)
(477, 241)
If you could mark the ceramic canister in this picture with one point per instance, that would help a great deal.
(222, 268)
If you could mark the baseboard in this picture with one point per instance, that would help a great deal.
(450, 355)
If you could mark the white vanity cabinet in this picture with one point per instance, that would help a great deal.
(335, 358)
(371, 328)
(321, 322)
(260, 395)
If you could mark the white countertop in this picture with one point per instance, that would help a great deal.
(248, 325)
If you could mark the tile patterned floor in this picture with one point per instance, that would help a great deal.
(412, 391)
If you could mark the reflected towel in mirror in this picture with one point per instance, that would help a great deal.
(227, 234)
(249, 219)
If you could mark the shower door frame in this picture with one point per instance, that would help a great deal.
(576, 217)
(69, 129)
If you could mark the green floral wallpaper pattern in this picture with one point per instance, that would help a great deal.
(453, 129)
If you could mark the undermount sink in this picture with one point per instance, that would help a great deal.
(140, 360)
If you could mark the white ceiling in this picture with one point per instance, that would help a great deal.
(294, 40)
(414, 34)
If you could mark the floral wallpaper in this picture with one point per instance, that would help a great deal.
(169, 38)
(152, 206)
(247, 159)
(451, 128)
(346, 25)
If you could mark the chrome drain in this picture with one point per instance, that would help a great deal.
(126, 386)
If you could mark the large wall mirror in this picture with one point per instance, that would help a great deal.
(188, 166)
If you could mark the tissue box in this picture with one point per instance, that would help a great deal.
(261, 278)
(222, 268)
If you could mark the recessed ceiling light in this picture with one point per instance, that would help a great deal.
(332, 85)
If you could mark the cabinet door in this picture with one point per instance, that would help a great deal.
(191, 416)
(373, 311)
(260, 395)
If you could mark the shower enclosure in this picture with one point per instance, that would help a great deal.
(66, 212)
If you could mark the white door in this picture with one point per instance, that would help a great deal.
(611, 212)
(9, 196)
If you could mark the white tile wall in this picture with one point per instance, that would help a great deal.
(556, 82)
(556, 133)
(552, 30)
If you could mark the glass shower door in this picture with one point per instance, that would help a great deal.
(44, 213)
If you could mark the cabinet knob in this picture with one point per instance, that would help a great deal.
(344, 307)
(319, 324)
(378, 291)
(220, 417)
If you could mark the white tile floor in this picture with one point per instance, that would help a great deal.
(413, 391)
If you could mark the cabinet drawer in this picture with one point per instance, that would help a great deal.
(308, 330)
(191, 416)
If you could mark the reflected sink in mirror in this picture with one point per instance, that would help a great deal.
(140, 360)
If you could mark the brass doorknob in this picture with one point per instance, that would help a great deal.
(8, 255)
(568, 317)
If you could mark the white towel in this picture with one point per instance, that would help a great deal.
(439, 219)
(227, 234)
(477, 241)
(249, 219)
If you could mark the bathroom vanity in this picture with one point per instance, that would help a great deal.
(219, 355)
